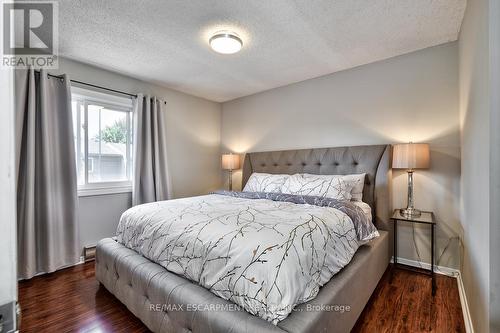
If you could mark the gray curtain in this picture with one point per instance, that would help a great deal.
(151, 178)
(46, 187)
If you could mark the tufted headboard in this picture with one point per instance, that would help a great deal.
(375, 161)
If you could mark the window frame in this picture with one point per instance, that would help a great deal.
(85, 97)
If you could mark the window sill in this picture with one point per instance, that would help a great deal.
(89, 192)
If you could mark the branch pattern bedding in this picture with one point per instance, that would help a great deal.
(266, 252)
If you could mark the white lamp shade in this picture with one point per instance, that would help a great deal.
(230, 161)
(411, 156)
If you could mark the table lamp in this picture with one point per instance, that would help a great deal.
(410, 156)
(230, 162)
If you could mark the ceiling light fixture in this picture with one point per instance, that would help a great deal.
(225, 42)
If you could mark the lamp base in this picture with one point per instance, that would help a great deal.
(230, 180)
(410, 212)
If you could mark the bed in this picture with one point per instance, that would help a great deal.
(167, 302)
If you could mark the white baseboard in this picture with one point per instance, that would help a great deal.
(443, 270)
(465, 306)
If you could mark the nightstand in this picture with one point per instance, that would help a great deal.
(425, 218)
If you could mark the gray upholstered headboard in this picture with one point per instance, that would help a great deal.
(375, 161)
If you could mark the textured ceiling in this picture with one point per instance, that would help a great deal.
(285, 41)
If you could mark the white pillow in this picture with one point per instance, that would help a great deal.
(265, 182)
(359, 182)
(329, 186)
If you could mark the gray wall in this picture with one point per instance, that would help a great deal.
(474, 115)
(495, 166)
(8, 250)
(413, 97)
(193, 134)
(99, 215)
(479, 55)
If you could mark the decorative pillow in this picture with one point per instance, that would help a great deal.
(329, 186)
(359, 182)
(265, 182)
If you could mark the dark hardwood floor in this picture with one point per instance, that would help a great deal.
(406, 305)
(72, 301)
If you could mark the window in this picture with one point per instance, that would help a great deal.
(102, 126)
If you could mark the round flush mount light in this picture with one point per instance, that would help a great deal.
(225, 42)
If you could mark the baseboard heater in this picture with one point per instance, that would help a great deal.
(89, 253)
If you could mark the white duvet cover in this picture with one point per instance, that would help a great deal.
(264, 255)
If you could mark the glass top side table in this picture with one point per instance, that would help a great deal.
(424, 218)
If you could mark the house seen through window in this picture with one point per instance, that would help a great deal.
(102, 125)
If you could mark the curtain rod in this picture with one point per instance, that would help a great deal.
(103, 88)
(99, 87)
(93, 85)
